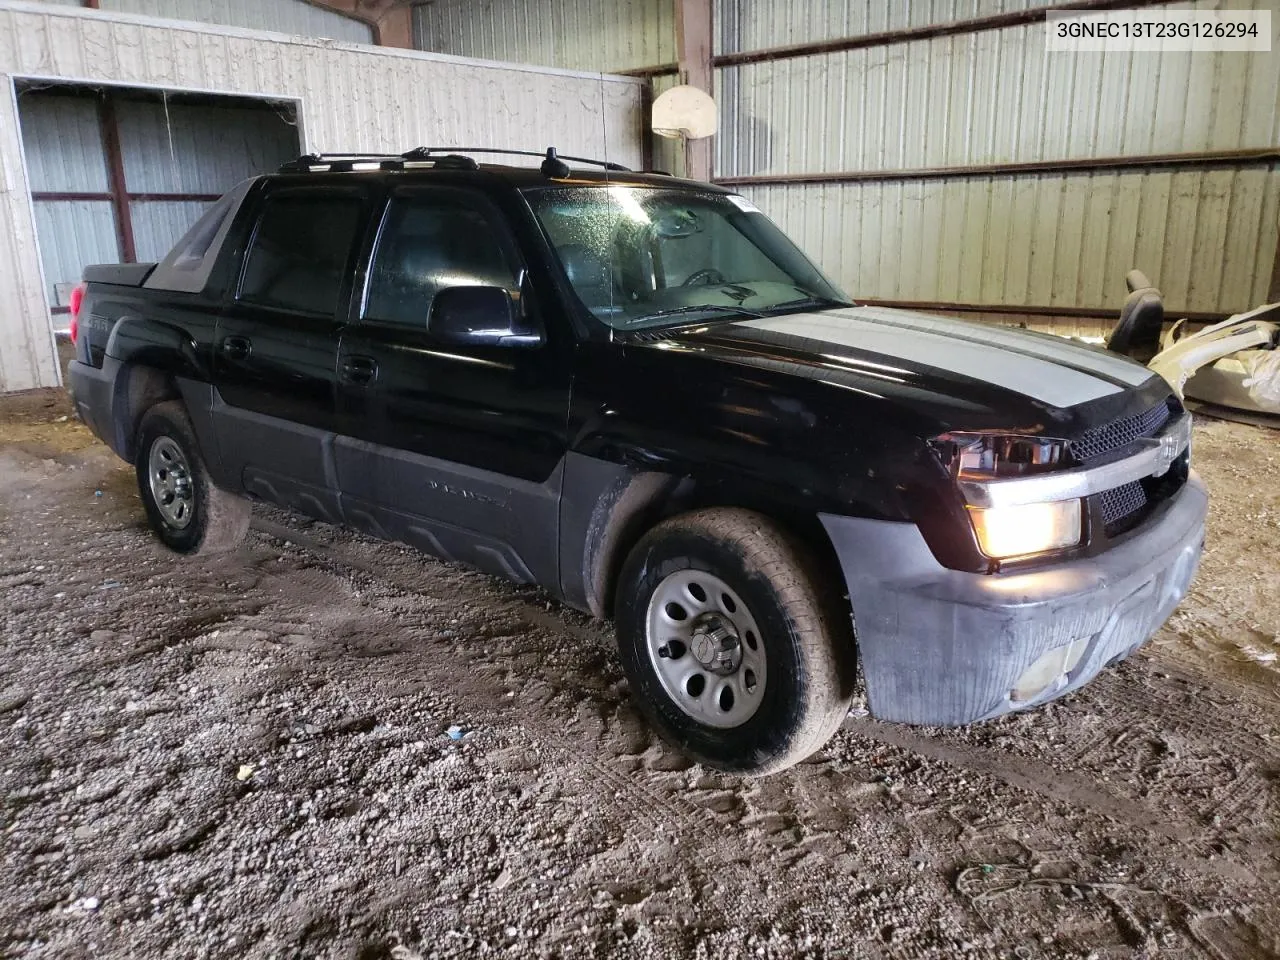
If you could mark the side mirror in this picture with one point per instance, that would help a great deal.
(473, 316)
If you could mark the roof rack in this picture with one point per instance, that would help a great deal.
(448, 158)
(550, 154)
(340, 161)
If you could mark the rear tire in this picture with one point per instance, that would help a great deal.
(737, 647)
(186, 511)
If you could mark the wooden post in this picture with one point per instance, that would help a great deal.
(693, 52)
(115, 178)
(1273, 292)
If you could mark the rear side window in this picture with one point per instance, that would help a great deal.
(301, 252)
(429, 242)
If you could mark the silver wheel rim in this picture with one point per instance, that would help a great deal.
(171, 486)
(706, 648)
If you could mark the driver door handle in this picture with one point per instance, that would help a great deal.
(360, 370)
(237, 348)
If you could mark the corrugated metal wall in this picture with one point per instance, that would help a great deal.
(576, 34)
(349, 97)
(281, 16)
(769, 23)
(177, 147)
(167, 147)
(1206, 236)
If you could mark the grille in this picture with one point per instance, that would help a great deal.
(1120, 433)
(1120, 503)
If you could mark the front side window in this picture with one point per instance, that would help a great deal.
(647, 256)
(427, 243)
(301, 252)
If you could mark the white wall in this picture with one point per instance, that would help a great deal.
(348, 97)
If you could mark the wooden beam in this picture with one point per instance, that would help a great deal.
(391, 20)
(57, 195)
(693, 51)
(119, 193)
(1273, 291)
(1212, 158)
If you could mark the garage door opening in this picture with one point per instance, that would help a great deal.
(118, 174)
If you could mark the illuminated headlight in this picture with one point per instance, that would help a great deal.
(1026, 529)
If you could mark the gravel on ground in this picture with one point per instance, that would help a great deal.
(321, 745)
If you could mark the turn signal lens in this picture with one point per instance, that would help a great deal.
(1020, 531)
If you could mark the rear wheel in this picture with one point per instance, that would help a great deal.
(186, 511)
(736, 646)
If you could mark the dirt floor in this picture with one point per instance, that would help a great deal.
(249, 757)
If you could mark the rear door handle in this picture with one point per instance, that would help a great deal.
(237, 348)
(356, 369)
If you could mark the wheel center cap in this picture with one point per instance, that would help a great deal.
(715, 645)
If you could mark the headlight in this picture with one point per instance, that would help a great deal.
(1005, 532)
(976, 456)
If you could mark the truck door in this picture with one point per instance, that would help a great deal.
(457, 449)
(276, 345)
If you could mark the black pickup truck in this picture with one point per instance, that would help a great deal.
(636, 392)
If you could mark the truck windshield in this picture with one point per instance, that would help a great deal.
(642, 257)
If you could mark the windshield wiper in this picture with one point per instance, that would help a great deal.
(696, 308)
(813, 301)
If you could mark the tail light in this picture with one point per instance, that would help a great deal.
(77, 298)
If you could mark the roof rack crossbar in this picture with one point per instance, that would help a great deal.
(337, 160)
(423, 153)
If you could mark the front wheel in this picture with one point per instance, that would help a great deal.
(736, 647)
(186, 511)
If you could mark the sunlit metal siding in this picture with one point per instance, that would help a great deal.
(198, 149)
(159, 224)
(576, 34)
(73, 233)
(281, 16)
(63, 142)
(775, 23)
(1207, 238)
(990, 97)
(349, 98)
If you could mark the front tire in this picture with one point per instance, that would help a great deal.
(735, 644)
(186, 511)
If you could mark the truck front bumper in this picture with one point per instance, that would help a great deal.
(939, 646)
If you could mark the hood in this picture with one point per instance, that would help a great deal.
(962, 373)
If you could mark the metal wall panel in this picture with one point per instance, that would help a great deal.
(576, 34)
(159, 224)
(73, 233)
(280, 16)
(183, 148)
(1207, 238)
(994, 96)
(759, 24)
(345, 96)
(63, 141)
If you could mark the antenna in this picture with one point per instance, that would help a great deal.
(556, 169)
